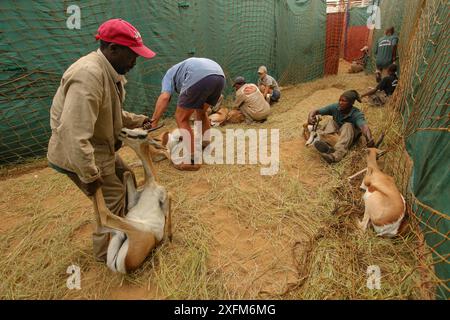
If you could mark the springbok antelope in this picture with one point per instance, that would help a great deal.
(310, 132)
(384, 205)
(148, 220)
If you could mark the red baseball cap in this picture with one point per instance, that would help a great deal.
(122, 32)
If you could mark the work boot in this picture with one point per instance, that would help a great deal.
(323, 147)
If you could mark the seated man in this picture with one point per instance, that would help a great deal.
(250, 104)
(359, 64)
(348, 123)
(268, 86)
(379, 95)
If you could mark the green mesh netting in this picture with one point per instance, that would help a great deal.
(423, 100)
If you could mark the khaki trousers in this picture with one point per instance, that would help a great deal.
(340, 138)
(114, 192)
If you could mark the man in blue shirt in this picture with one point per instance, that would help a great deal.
(348, 122)
(199, 83)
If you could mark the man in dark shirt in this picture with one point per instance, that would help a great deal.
(379, 95)
(348, 122)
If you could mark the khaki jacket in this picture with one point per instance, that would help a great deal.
(86, 118)
(251, 101)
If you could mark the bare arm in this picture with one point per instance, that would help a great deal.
(369, 93)
(161, 107)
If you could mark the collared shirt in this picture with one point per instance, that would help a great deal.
(269, 81)
(185, 74)
(355, 116)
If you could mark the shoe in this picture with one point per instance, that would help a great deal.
(328, 157)
(323, 147)
(187, 167)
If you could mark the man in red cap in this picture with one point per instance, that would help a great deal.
(86, 118)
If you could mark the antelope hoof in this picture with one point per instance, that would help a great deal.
(360, 225)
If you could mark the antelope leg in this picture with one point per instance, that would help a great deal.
(365, 221)
(131, 190)
(108, 220)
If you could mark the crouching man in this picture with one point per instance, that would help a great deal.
(249, 105)
(346, 126)
(86, 118)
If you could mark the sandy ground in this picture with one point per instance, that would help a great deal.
(234, 230)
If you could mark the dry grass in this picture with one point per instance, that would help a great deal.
(237, 234)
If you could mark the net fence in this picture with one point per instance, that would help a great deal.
(419, 116)
(40, 40)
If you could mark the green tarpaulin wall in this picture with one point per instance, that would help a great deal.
(36, 47)
(358, 16)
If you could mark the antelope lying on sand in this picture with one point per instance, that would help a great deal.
(148, 220)
(384, 205)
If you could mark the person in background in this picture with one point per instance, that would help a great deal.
(379, 95)
(386, 52)
(268, 86)
(249, 102)
(359, 64)
(87, 116)
(347, 124)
